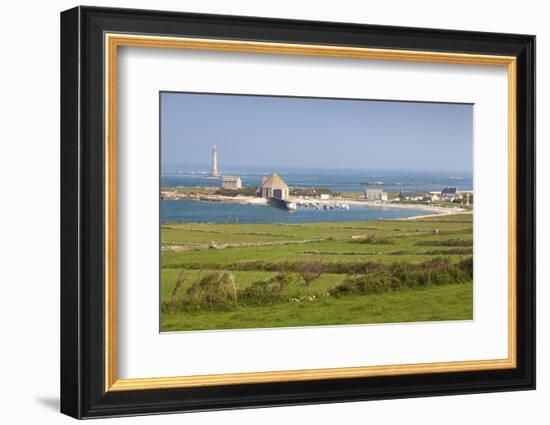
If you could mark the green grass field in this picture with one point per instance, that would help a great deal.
(254, 256)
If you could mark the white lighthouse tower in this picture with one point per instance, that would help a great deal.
(214, 172)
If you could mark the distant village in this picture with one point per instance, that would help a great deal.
(273, 189)
(274, 186)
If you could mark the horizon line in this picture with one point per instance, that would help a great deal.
(207, 168)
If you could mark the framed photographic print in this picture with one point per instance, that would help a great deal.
(261, 212)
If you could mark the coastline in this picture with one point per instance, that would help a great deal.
(252, 200)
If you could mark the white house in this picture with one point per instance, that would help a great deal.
(432, 196)
(231, 182)
(412, 196)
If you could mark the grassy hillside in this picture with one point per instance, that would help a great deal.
(229, 276)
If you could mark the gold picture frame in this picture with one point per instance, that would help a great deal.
(114, 41)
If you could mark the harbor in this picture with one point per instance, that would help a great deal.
(194, 211)
(372, 201)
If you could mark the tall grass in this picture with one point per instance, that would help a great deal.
(213, 290)
(220, 290)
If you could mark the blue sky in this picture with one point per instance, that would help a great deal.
(286, 132)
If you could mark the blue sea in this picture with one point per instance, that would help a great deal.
(339, 181)
(190, 211)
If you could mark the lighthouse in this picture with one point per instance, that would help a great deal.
(214, 172)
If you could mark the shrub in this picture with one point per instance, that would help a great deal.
(452, 251)
(372, 240)
(219, 291)
(213, 289)
(446, 242)
(267, 291)
(362, 285)
(281, 280)
(467, 265)
(244, 191)
(299, 191)
(309, 271)
(436, 264)
(397, 276)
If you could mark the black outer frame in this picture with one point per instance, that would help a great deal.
(82, 212)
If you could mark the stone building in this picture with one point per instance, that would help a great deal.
(375, 195)
(231, 182)
(273, 187)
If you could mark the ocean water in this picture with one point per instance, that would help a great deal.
(191, 211)
(340, 181)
